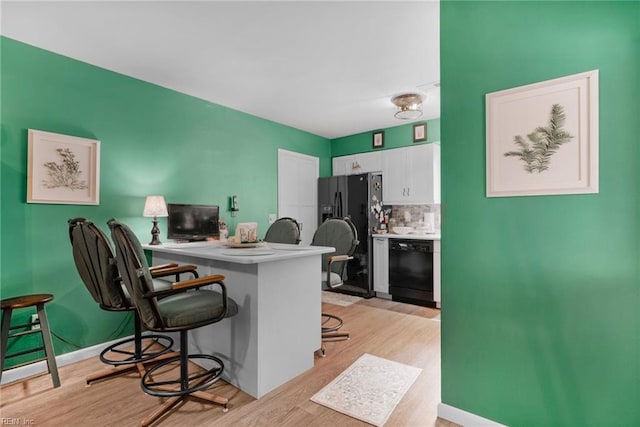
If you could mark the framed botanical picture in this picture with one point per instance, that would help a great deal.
(542, 139)
(63, 169)
(419, 132)
(378, 139)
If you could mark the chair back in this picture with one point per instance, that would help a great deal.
(133, 267)
(96, 264)
(283, 230)
(339, 233)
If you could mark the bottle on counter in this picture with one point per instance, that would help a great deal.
(223, 230)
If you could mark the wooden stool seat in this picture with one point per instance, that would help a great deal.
(38, 300)
(25, 301)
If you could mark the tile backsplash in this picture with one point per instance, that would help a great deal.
(414, 215)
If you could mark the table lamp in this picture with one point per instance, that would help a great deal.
(154, 207)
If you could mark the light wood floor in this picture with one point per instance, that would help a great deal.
(395, 331)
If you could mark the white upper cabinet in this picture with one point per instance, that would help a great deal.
(369, 162)
(411, 175)
(357, 163)
(394, 176)
(343, 165)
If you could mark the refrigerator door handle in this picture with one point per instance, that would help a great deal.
(334, 206)
(340, 213)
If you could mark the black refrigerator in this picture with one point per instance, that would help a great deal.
(354, 196)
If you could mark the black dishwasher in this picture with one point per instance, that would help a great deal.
(411, 271)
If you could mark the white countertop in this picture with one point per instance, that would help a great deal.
(265, 252)
(430, 236)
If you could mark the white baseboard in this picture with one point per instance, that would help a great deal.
(16, 374)
(464, 418)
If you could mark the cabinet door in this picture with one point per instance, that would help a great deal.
(338, 166)
(394, 174)
(357, 163)
(436, 172)
(381, 264)
(346, 165)
(368, 162)
(420, 182)
(424, 174)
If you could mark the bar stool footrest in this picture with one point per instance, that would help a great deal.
(192, 383)
(145, 354)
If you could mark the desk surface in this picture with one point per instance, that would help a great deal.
(266, 252)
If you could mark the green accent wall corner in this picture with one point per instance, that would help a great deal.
(153, 141)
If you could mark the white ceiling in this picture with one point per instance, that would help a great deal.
(329, 68)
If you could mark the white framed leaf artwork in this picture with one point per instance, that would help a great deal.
(542, 138)
(63, 169)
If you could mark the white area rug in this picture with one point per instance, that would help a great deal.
(339, 299)
(369, 389)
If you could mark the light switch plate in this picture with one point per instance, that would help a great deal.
(35, 322)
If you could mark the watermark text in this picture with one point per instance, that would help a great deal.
(15, 421)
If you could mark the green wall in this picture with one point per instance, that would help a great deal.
(541, 295)
(394, 137)
(153, 140)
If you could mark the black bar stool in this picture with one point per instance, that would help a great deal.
(10, 304)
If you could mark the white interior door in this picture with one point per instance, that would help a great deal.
(298, 190)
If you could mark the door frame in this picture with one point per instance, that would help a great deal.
(287, 154)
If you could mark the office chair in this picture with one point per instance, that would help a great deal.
(96, 265)
(342, 235)
(283, 230)
(182, 307)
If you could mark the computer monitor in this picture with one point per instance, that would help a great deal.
(192, 222)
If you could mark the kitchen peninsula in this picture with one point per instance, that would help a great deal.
(273, 337)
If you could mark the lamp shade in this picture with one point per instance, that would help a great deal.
(155, 206)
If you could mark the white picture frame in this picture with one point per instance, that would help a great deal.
(63, 169)
(542, 138)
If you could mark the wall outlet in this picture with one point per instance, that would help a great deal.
(272, 218)
(35, 322)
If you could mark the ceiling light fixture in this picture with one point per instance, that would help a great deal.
(409, 105)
